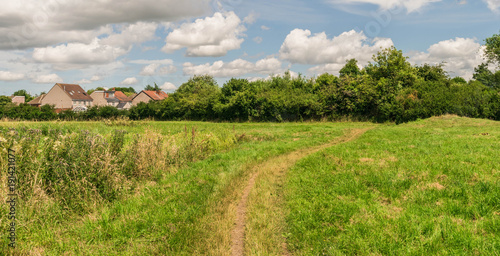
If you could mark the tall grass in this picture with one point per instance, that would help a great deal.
(71, 173)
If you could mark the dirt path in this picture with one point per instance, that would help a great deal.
(277, 166)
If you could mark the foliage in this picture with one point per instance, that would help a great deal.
(152, 88)
(492, 49)
(389, 89)
(27, 96)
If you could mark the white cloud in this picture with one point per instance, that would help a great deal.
(303, 48)
(155, 67)
(212, 36)
(149, 70)
(494, 5)
(83, 81)
(264, 27)
(33, 23)
(47, 79)
(130, 81)
(167, 86)
(234, 68)
(161, 62)
(77, 55)
(132, 34)
(96, 78)
(460, 56)
(258, 39)
(98, 52)
(10, 76)
(409, 5)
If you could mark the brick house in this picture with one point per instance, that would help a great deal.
(147, 96)
(67, 96)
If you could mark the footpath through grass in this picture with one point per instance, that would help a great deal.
(182, 213)
(430, 187)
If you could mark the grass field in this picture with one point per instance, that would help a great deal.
(428, 187)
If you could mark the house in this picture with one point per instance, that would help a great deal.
(67, 96)
(37, 102)
(147, 96)
(111, 98)
(17, 99)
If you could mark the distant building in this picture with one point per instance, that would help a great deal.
(147, 96)
(111, 98)
(17, 99)
(37, 102)
(67, 96)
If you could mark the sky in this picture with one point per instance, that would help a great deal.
(121, 43)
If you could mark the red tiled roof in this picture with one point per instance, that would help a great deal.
(156, 95)
(75, 92)
(122, 97)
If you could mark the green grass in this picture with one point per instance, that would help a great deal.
(164, 216)
(424, 188)
(428, 187)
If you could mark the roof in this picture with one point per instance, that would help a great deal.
(37, 100)
(121, 105)
(122, 97)
(156, 95)
(75, 91)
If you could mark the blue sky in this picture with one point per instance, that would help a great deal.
(135, 43)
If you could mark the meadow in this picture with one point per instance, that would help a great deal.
(178, 188)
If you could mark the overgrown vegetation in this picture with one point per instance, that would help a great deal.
(64, 172)
(388, 89)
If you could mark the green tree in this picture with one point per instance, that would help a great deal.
(4, 100)
(485, 76)
(96, 89)
(432, 73)
(350, 69)
(152, 88)
(492, 49)
(390, 64)
(27, 96)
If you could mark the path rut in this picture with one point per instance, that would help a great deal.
(277, 165)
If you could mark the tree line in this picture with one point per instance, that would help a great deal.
(389, 88)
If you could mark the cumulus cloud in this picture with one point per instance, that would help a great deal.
(234, 68)
(212, 36)
(10, 76)
(494, 5)
(77, 55)
(409, 5)
(130, 81)
(98, 52)
(156, 67)
(301, 47)
(33, 23)
(167, 86)
(47, 79)
(460, 56)
(264, 27)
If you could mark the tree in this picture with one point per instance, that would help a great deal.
(27, 96)
(96, 89)
(125, 89)
(390, 64)
(4, 100)
(486, 77)
(432, 73)
(492, 50)
(350, 69)
(152, 88)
